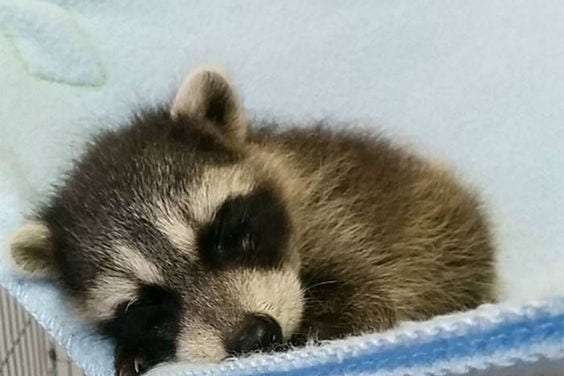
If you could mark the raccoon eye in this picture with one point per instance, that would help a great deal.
(146, 329)
(228, 239)
(249, 230)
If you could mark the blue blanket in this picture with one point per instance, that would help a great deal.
(480, 84)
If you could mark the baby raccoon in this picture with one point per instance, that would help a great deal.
(193, 233)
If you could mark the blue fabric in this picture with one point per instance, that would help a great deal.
(503, 337)
(479, 84)
(471, 346)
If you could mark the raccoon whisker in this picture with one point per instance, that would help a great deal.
(311, 299)
(129, 304)
(308, 288)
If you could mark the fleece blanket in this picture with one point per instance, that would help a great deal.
(477, 83)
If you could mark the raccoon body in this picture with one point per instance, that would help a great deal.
(194, 233)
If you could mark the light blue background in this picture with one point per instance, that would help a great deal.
(477, 83)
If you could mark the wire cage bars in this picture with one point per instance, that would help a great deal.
(25, 348)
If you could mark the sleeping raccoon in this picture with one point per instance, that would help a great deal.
(193, 233)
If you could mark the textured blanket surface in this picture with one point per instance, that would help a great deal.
(480, 84)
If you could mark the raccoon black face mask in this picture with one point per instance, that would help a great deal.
(192, 233)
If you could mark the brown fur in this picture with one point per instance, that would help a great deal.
(196, 213)
(382, 235)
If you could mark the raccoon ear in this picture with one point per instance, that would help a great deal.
(208, 94)
(31, 250)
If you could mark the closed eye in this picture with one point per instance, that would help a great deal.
(146, 328)
(250, 230)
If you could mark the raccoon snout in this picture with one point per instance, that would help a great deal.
(258, 332)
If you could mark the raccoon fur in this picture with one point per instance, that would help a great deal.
(192, 233)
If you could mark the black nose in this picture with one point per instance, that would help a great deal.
(256, 333)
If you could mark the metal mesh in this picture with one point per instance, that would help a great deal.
(25, 348)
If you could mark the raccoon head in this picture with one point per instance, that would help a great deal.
(169, 235)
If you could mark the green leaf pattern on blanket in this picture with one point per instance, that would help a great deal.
(50, 43)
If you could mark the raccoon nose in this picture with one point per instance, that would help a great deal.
(257, 333)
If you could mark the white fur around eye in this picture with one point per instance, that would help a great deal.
(119, 283)
(173, 224)
(217, 185)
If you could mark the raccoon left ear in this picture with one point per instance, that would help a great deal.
(208, 94)
(31, 250)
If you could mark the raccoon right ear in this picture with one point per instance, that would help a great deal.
(207, 94)
(31, 250)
